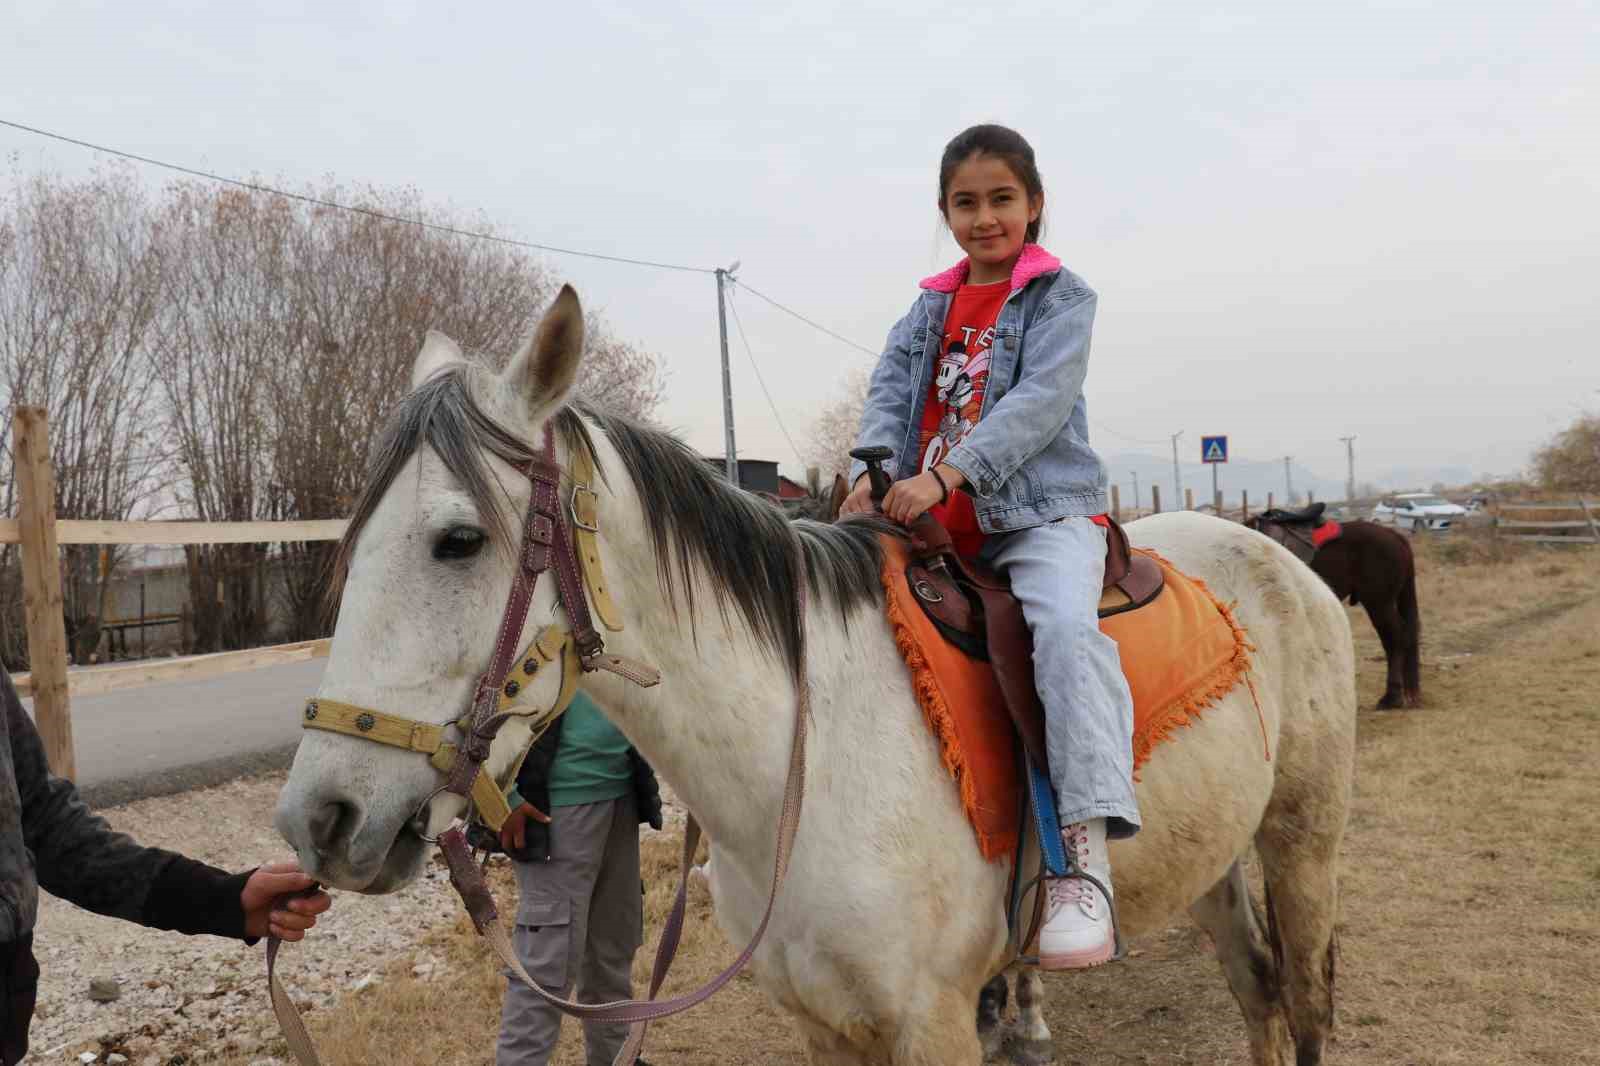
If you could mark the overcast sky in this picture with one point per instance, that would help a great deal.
(1304, 221)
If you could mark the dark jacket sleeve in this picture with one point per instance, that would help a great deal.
(80, 858)
(646, 791)
(533, 782)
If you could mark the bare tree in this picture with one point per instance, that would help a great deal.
(619, 376)
(79, 291)
(289, 335)
(362, 293)
(231, 356)
(834, 432)
(1571, 461)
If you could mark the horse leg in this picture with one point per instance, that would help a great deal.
(1031, 1044)
(992, 1014)
(1411, 641)
(942, 1035)
(1385, 618)
(1227, 913)
(1299, 851)
(824, 1047)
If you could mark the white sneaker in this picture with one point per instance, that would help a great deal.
(1078, 931)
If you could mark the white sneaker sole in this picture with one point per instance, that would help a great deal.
(1078, 960)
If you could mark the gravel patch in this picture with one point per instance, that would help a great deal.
(205, 995)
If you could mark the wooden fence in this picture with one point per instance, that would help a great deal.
(40, 536)
(1575, 523)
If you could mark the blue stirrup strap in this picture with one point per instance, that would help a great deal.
(1046, 821)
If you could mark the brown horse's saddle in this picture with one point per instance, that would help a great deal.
(1303, 531)
(974, 609)
(1305, 516)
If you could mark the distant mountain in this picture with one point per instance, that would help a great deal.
(1423, 478)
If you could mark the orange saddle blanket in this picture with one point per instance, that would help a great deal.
(1181, 653)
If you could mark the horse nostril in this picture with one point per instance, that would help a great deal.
(332, 824)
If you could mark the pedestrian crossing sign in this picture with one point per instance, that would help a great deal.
(1214, 449)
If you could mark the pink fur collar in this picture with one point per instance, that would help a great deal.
(1033, 261)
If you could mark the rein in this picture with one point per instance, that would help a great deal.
(546, 545)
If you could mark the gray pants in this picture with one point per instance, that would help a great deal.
(580, 919)
(1055, 572)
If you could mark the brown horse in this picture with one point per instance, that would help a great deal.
(1364, 564)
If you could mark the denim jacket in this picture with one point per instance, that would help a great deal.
(1027, 461)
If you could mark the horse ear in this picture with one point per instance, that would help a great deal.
(836, 498)
(543, 373)
(438, 352)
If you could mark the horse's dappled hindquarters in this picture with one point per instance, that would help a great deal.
(890, 921)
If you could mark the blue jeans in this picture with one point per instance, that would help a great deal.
(1056, 572)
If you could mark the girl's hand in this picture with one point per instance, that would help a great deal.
(908, 499)
(860, 499)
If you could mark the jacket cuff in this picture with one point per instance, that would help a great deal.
(191, 897)
(980, 476)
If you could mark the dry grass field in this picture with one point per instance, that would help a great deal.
(1470, 928)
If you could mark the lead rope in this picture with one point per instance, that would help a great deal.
(467, 877)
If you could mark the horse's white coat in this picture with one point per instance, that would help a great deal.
(890, 921)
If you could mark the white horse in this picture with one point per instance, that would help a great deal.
(890, 922)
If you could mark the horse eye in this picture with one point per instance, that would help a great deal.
(459, 542)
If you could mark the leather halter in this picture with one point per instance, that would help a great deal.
(545, 541)
(545, 545)
(550, 647)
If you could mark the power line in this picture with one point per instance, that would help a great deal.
(1131, 440)
(369, 212)
(810, 322)
(763, 382)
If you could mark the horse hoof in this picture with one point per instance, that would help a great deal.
(992, 1037)
(1025, 1052)
(1389, 703)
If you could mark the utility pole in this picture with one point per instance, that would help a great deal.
(729, 453)
(1350, 477)
(1288, 480)
(1177, 479)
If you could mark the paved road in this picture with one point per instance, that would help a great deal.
(159, 739)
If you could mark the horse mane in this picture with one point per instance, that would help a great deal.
(697, 521)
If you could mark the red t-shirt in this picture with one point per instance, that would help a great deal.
(955, 399)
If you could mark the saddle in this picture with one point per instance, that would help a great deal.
(973, 608)
(1305, 516)
(1303, 531)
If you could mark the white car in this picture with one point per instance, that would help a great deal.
(1417, 510)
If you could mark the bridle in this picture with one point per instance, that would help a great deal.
(575, 559)
(545, 546)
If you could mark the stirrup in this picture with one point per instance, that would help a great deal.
(1056, 863)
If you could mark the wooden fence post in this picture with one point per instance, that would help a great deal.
(41, 585)
(1244, 506)
(1155, 499)
(1594, 529)
(1188, 499)
(1269, 501)
(1216, 503)
(1116, 504)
